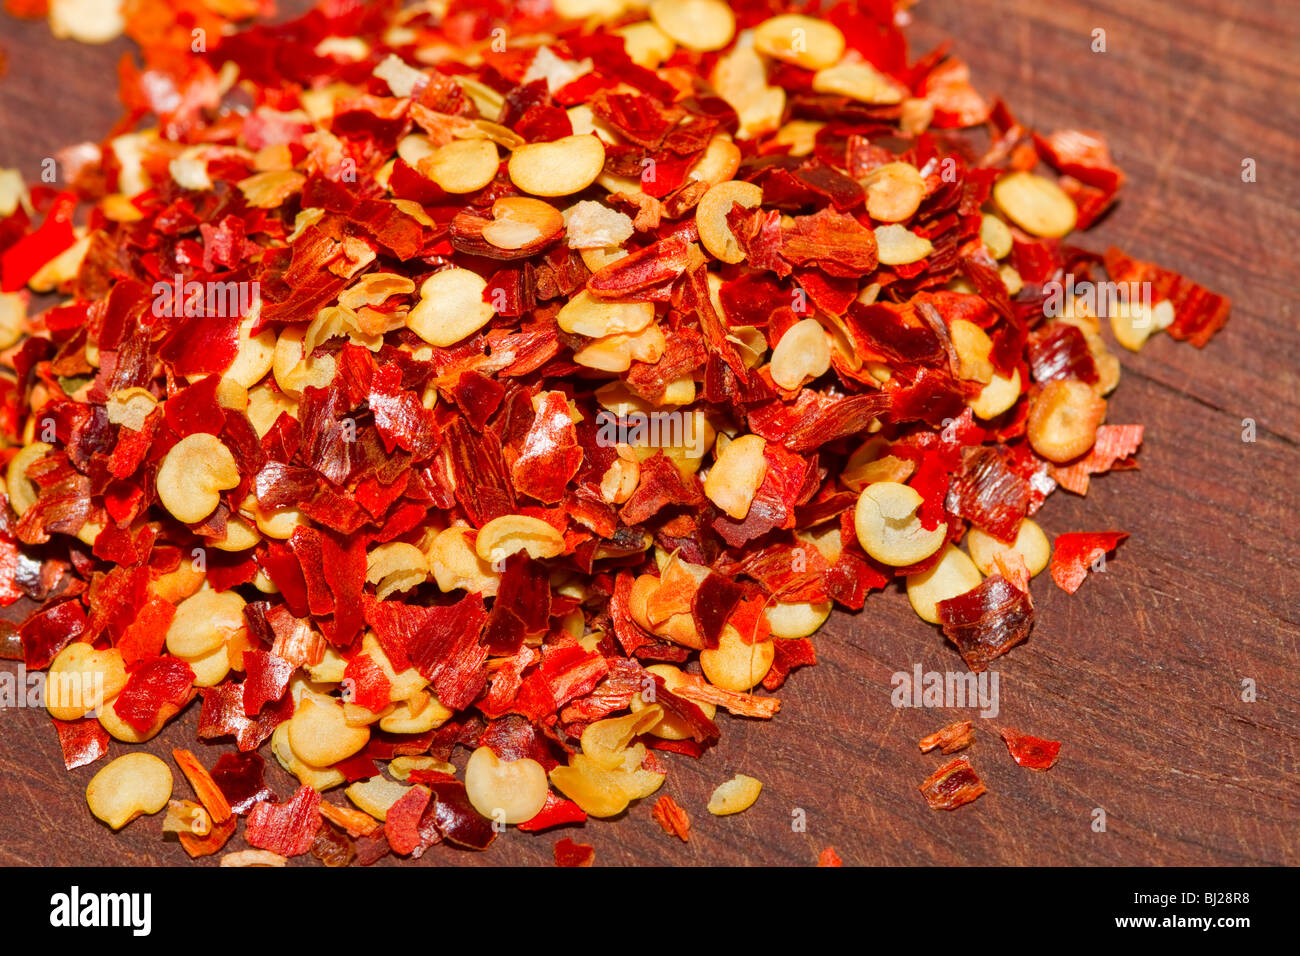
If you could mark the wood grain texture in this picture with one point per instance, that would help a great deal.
(1140, 672)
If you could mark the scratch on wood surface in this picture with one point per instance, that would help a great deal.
(1155, 198)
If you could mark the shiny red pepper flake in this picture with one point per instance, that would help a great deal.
(953, 785)
(83, 741)
(239, 776)
(156, 687)
(1035, 753)
(555, 812)
(1074, 553)
(987, 621)
(288, 829)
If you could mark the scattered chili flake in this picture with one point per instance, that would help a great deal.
(332, 846)
(829, 857)
(1115, 446)
(568, 853)
(212, 842)
(669, 815)
(987, 621)
(555, 812)
(83, 741)
(239, 776)
(950, 739)
(1032, 752)
(1075, 552)
(209, 794)
(288, 829)
(952, 785)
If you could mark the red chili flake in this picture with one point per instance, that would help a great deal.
(145, 636)
(1114, 447)
(950, 739)
(49, 631)
(1032, 752)
(268, 679)
(568, 853)
(223, 714)
(669, 815)
(288, 829)
(155, 688)
(987, 621)
(369, 686)
(83, 741)
(952, 785)
(24, 258)
(791, 653)
(989, 494)
(1074, 553)
(402, 822)
(1059, 351)
(828, 857)
(555, 812)
(1198, 313)
(239, 776)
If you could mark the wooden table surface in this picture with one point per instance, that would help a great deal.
(1140, 673)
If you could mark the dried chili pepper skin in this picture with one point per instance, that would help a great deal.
(949, 739)
(953, 785)
(1033, 753)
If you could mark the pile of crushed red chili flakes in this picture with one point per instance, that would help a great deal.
(587, 340)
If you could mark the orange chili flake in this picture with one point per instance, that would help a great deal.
(669, 815)
(829, 857)
(950, 739)
(1035, 753)
(209, 794)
